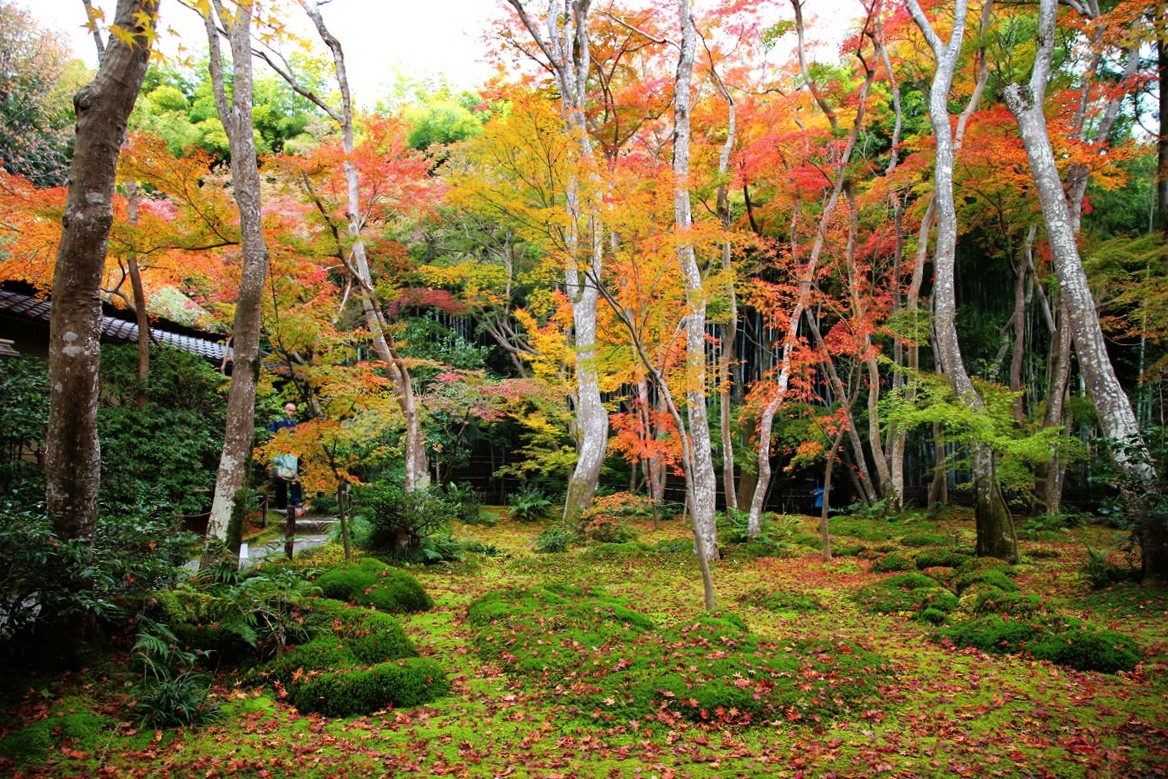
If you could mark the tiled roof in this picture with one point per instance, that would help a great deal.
(113, 329)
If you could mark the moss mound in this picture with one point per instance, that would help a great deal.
(913, 592)
(610, 664)
(784, 600)
(360, 661)
(349, 691)
(1063, 641)
(370, 582)
(894, 561)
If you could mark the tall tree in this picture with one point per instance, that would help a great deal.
(73, 456)
(236, 116)
(1116, 417)
(565, 48)
(995, 537)
(356, 263)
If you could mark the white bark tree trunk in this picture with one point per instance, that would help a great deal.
(1116, 416)
(565, 46)
(245, 180)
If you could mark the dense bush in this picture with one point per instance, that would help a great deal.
(940, 558)
(370, 582)
(360, 661)
(39, 574)
(400, 522)
(1087, 649)
(993, 633)
(986, 577)
(1059, 640)
(924, 539)
(553, 540)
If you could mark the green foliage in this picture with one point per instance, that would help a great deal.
(554, 539)
(359, 662)
(614, 666)
(162, 458)
(529, 504)
(894, 561)
(24, 396)
(131, 557)
(370, 582)
(1017, 451)
(171, 693)
(1044, 527)
(1099, 572)
(993, 633)
(399, 522)
(468, 507)
(784, 600)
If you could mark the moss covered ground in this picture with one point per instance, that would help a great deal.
(896, 696)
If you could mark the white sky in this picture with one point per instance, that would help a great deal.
(383, 37)
(416, 37)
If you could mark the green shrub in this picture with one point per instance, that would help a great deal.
(554, 539)
(171, 693)
(1087, 649)
(370, 582)
(992, 577)
(894, 561)
(468, 507)
(1100, 572)
(784, 600)
(933, 616)
(399, 521)
(372, 636)
(848, 550)
(529, 504)
(349, 691)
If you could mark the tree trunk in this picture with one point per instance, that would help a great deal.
(73, 454)
(994, 532)
(703, 487)
(566, 48)
(1116, 417)
(141, 315)
(417, 468)
(245, 179)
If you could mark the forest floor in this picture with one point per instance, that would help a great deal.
(942, 710)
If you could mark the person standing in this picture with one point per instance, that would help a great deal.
(286, 467)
